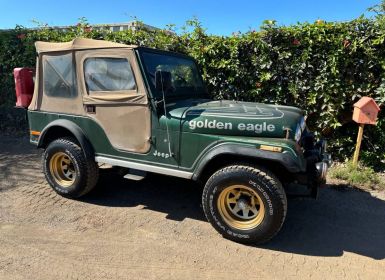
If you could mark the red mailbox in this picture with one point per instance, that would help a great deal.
(366, 111)
(24, 86)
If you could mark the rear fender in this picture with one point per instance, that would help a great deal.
(59, 128)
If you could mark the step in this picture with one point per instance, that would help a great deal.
(135, 175)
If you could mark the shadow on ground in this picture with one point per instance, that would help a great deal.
(342, 219)
(177, 198)
(18, 159)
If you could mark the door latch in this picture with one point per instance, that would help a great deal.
(91, 109)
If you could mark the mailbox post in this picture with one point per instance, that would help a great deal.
(358, 144)
(365, 112)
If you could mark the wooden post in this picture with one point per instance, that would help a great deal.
(358, 144)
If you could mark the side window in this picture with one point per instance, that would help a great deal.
(108, 74)
(59, 76)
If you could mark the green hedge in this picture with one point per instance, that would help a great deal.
(322, 67)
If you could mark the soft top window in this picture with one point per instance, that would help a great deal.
(108, 74)
(59, 75)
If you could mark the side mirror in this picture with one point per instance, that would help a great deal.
(163, 80)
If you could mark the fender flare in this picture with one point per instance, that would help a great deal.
(248, 152)
(72, 128)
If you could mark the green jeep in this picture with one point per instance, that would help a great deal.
(146, 110)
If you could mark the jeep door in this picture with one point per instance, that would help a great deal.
(114, 96)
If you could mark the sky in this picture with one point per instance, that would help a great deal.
(218, 17)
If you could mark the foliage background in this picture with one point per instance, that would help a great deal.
(322, 67)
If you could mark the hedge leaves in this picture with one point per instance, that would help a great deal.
(322, 67)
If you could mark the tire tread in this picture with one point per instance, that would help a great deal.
(264, 175)
(84, 160)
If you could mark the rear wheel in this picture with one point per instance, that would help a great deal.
(244, 203)
(69, 172)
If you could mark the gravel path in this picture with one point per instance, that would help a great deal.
(155, 229)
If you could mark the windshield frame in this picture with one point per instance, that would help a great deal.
(150, 86)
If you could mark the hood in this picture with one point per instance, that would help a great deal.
(235, 118)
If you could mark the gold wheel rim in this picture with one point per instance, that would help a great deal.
(241, 207)
(62, 169)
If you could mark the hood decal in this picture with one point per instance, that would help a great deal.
(234, 118)
(238, 112)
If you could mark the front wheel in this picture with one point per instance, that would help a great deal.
(244, 203)
(66, 168)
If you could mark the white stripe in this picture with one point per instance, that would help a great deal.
(144, 167)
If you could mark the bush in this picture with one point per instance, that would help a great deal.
(322, 67)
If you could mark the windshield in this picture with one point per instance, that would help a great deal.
(185, 77)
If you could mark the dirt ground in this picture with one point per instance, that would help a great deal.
(155, 229)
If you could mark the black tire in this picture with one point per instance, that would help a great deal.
(84, 170)
(258, 195)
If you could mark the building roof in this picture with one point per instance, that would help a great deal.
(364, 101)
(78, 44)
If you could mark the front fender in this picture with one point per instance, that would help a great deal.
(248, 151)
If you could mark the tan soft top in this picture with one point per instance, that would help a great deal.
(78, 44)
